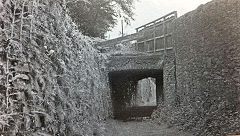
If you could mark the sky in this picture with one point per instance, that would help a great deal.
(149, 10)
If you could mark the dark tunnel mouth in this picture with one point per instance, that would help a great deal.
(123, 87)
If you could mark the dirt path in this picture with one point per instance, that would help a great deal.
(141, 128)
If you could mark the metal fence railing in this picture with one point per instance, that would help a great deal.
(156, 35)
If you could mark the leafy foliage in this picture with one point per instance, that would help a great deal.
(52, 80)
(95, 17)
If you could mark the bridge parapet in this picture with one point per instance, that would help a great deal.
(151, 37)
(156, 35)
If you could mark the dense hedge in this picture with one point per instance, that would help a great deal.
(52, 79)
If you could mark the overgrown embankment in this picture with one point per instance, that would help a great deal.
(52, 79)
(208, 70)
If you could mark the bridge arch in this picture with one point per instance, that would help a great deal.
(124, 89)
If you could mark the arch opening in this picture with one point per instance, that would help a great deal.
(136, 93)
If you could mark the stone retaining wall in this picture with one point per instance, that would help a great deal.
(207, 42)
(53, 82)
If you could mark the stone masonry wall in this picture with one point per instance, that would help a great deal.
(207, 42)
(52, 80)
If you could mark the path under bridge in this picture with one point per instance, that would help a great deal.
(151, 54)
(149, 58)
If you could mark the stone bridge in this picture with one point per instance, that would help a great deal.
(150, 55)
(194, 60)
(126, 71)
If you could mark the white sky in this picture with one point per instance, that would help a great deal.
(149, 10)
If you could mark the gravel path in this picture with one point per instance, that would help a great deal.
(141, 128)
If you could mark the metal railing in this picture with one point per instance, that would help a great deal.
(156, 35)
